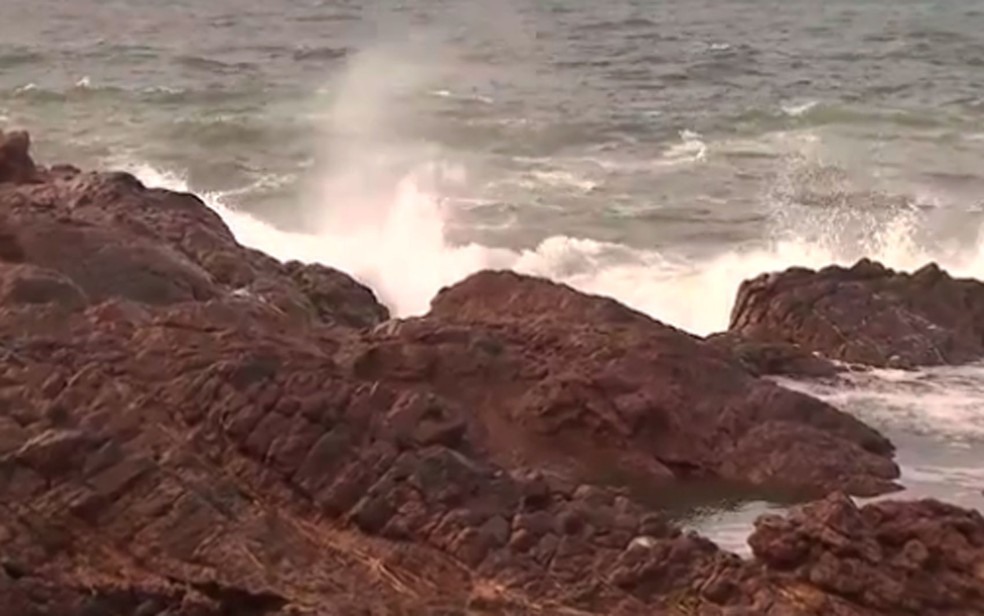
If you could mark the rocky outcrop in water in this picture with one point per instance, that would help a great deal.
(188, 427)
(624, 394)
(866, 314)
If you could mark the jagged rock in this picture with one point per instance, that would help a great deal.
(114, 238)
(866, 314)
(336, 297)
(602, 390)
(888, 557)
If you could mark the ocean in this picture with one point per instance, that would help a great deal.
(658, 152)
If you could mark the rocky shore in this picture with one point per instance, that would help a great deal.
(189, 427)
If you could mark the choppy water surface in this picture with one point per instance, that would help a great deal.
(658, 152)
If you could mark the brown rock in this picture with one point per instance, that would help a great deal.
(113, 237)
(890, 557)
(567, 359)
(865, 314)
(16, 166)
(336, 297)
(54, 451)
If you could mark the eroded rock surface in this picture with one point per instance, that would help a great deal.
(202, 431)
(866, 314)
(623, 393)
(889, 557)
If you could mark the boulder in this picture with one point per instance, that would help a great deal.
(115, 238)
(866, 314)
(601, 390)
(16, 165)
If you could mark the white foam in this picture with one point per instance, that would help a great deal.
(798, 109)
(691, 149)
(943, 402)
(565, 179)
(475, 98)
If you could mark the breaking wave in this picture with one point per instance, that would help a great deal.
(395, 240)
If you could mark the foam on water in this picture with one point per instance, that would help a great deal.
(691, 149)
(565, 179)
(943, 403)
(398, 245)
(798, 109)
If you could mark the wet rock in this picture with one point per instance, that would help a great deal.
(336, 297)
(865, 314)
(16, 165)
(696, 411)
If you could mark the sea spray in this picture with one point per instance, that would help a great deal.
(406, 257)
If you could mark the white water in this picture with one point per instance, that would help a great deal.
(378, 212)
(397, 244)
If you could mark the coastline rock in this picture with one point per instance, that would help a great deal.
(259, 440)
(16, 165)
(866, 314)
(922, 557)
(115, 238)
(586, 383)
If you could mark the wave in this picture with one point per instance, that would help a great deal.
(396, 242)
(19, 56)
(321, 53)
(470, 98)
(942, 402)
(384, 210)
(798, 109)
(84, 88)
(690, 149)
(212, 65)
(564, 179)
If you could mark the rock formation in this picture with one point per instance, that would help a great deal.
(866, 314)
(190, 428)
